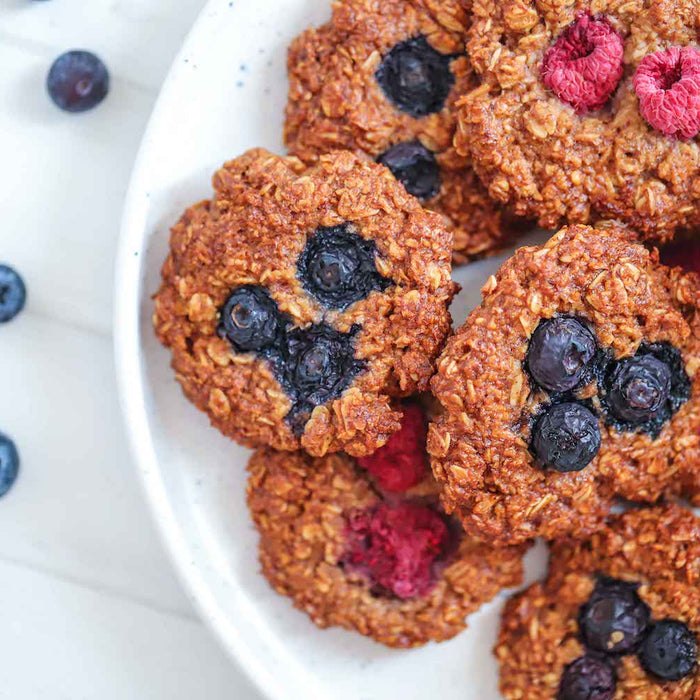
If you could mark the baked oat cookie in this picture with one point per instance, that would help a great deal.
(300, 301)
(575, 383)
(381, 78)
(587, 110)
(617, 618)
(349, 553)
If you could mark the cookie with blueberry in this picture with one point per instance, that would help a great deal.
(382, 78)
(574, 384)
(300, 302)
(363, 544)
(587, 111)
(617, 617)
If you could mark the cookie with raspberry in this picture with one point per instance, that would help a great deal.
(381, 78)
(390, 565)
(300, 302)
(573, 385)
(617, 617)
(587, 112)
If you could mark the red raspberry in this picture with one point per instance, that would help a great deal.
(403, 461)
(682, 253)
(584, 66)
(667, 84)
(396, 546)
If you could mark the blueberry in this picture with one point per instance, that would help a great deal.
(415, 167)
(561, 349)
(77, 81)
(337, 267)
(416, 77)
(614, 619)
(587, 678)
(250, 319)
(638, 388)
(669, 650)
(9, 464)
(566, 437)
(13, 293)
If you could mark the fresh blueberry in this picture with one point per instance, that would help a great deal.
(416, 77)
(587, 678)
(415, 167)
(250, 319)
(13, 293)
(9, 464)
(639, 387)
(77, 81)
(337, 267)
(669, 651)
(566, 437)
(561, 349)
(614, 619)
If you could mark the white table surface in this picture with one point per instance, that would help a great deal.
(89, 604)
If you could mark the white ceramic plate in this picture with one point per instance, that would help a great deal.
(225, 93)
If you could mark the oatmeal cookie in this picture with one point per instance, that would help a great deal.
(587, 110)
(617, 618)
(381, 78)
(349, 553)
(300, 301)
(573, 384)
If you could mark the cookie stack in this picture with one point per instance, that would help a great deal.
(402, 469)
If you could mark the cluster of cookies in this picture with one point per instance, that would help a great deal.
(402, 469)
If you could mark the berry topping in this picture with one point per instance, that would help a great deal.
(566, 437)
(639, 387)
(614, 619)
(667, 84)
(669, 650)
(13, 294)
(415, 77)
(415, 167)
(682, 253)
(584, 66)
(250, 319)
(402, 462)
(9, 464)
(560, 352)
(337, 267)
(318, 364)
(397, 546)
(587, 678)
(77, 81)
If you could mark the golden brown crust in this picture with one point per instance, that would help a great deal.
(480, 442)
(537, 155)
(335, 103)
(657, 547)
(300, 504)
(253, 232)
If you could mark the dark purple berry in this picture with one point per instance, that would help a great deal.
(415, 167)
(9, 464)
(669, 651)
(416, 77)
(337, 267)
(615, 618)
(566, 437)
(561, 349)
(13, 293)
(587, 678)
(639, 387)
(250, 319)
(77, 81)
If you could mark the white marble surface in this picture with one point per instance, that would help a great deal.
(89, 605)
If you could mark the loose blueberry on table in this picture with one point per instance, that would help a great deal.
(9, 464)
(77, 81)
(13, 293)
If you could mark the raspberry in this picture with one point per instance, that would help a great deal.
(682, 253)
(667, 84)
(403, 461)
(584, 66)
(396, 546)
